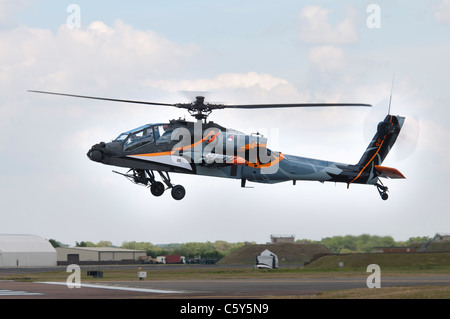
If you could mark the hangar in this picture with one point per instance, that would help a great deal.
(97, 254)
(26, 251)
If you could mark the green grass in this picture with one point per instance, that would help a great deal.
(420, 292)
(406, 261)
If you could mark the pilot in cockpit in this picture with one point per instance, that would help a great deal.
(148, 135)
(167, 135)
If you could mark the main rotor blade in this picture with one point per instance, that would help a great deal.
(267, 106)
(102, 98)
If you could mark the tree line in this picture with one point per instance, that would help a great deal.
(215, 250)
(365, 243)
(337, 244)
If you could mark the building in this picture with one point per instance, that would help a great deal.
(441, 237)
(98, 254)
(26, 251)
(282, 239)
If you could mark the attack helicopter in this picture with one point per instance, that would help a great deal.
(209, 149)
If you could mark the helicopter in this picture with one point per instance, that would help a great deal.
(209, 149)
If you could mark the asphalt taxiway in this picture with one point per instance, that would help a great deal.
(218, 289)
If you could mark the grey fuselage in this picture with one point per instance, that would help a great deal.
(212, 150)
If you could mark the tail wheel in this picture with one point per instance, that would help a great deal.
(157, 189)
(382, 190)
(178, 192)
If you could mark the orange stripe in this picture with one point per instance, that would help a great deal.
(214, 137)
(277, 159)
(252, 145)
(369, 161)
(154, 154)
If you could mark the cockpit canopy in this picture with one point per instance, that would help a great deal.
(143, 135)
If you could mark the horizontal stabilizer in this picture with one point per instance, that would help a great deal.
(388, 172)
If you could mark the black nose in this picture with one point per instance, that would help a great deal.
(96, 152)
(95, 155)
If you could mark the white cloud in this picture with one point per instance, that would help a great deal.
(434, 139)
(442, 11)
(222, 81)
(327, 58)
(8, 8)
(94, 57)
(315, 27)
(97, 60)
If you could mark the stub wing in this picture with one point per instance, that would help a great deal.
(388, 172)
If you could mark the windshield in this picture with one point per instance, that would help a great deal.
(124, 135)
(121, 137)
(159, 133)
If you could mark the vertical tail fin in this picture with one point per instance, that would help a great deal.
(385, 137)
(382, 142)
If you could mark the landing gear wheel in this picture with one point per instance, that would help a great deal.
(157, 189)
(178, 192)
(382, 190)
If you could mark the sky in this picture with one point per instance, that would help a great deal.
(232, 52)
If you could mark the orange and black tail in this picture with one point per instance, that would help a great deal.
(369, 166)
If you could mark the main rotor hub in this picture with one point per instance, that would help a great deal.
(200, 100)
(198, 108)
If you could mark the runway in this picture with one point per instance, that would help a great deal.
(204, 289)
